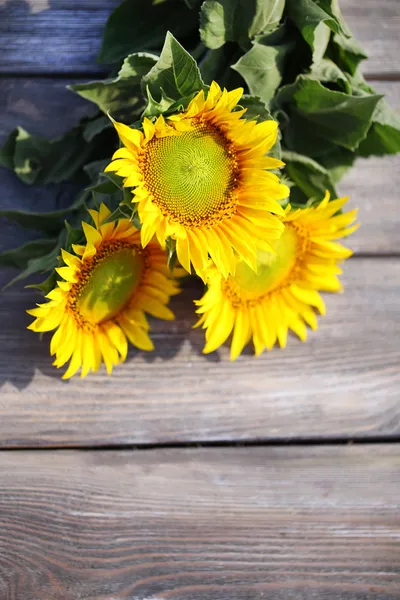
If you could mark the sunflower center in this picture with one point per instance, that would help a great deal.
(192, 175)
(112, 278)
(273, 270)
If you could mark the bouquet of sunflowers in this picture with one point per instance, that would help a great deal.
(214, 152)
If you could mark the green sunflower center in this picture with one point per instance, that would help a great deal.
(112, 279)
(192, 175)
(272, 270)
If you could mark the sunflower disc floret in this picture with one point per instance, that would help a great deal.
(107, 287)
(284, 292)
(203, 178)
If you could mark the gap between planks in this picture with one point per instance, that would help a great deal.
(200, 445)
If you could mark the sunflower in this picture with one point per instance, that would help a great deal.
(108, 286)
(201, 177)
(283, 294)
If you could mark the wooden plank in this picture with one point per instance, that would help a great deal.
(65, 35)
(52, 36)
(376, 26)
(225, 524)
(46, 107)
(343, 383)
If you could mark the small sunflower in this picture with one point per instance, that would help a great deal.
(108, 287)
(201, 177)
(283, 294)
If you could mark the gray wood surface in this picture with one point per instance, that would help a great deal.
(300, 522)
(36, 34)
(343, 383)
(220, 524)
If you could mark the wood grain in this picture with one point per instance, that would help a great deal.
(48, 36)
(52, 36)
(344, 382)
(45, 107)
(225, 524)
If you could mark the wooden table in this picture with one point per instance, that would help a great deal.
(187, 477)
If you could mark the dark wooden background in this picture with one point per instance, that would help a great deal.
(187, 477)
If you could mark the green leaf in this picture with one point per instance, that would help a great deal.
(337, 163)
(116, 179)
(95, 170)
(310, 178)
(41, 264)
(255, 108)
(239, 21)
(171, 253)
(49, 222)
(175, 75)
(95, 127)
(121, 212)
(327, 71)
(321, 119)
(215, 64)
(107, 187)
(331, 7)
(40, 161)
(8, 150)
(140, 25)
(310, 16)
(120, 95)
(384, 134)
(156, 107)
(262, 69)
(346, 53)
(66, 238)
(19, 257)
(71, 236)
(47, 285)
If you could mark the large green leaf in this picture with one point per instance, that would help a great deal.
(41, 264)
(239, 21)
(49, 222)
(48, 260)
(19, 257)
(312, 18)
(256, 108)
(346, 53)
(321, 119)
(40, 161)
(327, 71)
(384, 134)
(95, 127)
(120, 95)
(174, 77)
(337, 163)
(310, 178)
(262, 68)
(215, 65)
(141, 25)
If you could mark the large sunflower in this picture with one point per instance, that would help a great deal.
(102, 301)
(283, 294)
(201, 177)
